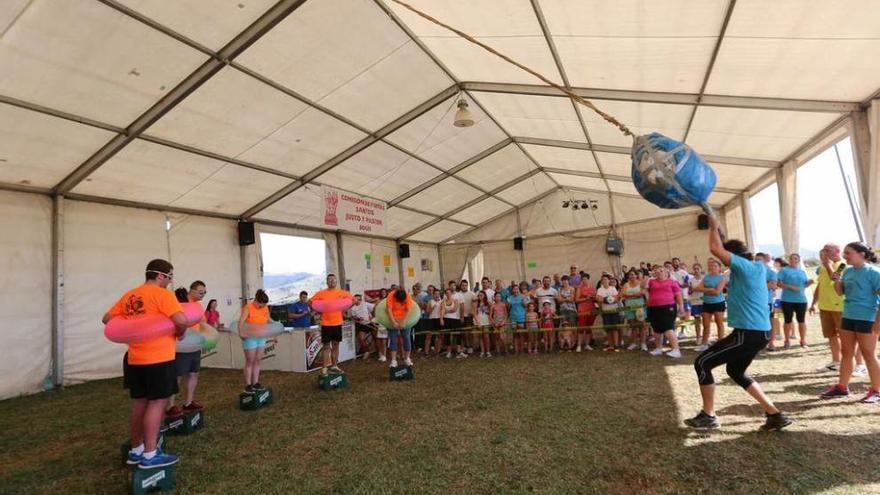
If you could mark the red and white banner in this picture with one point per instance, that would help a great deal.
(347, 211)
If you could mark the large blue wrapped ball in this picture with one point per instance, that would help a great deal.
(670, 174)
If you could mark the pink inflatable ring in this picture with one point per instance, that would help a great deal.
(130, 330)
(329, 305)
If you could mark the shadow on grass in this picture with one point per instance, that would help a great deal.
(569, 423)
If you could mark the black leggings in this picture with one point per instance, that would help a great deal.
(737, 350)
(790, 309)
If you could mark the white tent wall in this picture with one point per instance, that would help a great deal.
(26, 299)
(555, 254)
(417, 253)
(379, 274)
(207, 249)
(105, 251)
(734, 222)
(454, 258)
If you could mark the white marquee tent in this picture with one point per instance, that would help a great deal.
(134, 129)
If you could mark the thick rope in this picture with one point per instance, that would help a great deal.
(611, 120)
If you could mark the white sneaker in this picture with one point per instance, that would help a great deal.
(448, 355)
(394, 363)
(382, 358)
(644, 347)
(578, 349)
(588, 348)
(470, 350)
(488, 354)
(408, 362)
(482, 354)
(701, 348)
(681, 334)
(860, 371)
(832, 366)
(461, 355)
(657, 352)
(632, 347)
(674, 354)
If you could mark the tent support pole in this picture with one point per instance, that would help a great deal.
(57, 291)
(244, 275)
(340, 261)
(522, 252)
(400, 266)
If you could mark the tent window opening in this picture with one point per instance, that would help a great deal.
(292, 264)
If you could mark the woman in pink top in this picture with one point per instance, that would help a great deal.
(664, 304)
(212, 316)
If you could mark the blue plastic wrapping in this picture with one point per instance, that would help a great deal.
(670, 174)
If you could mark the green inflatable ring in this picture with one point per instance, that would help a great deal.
(411, 318)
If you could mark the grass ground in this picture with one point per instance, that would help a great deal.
(569, 423)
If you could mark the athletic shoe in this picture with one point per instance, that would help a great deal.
(787, 346)
(249, 389)
(681, 334)
(657, 352)
(488, 354)
(644, 347)
(408, 362)
(335, 369)
(461, 355)
(448, 355)
(324, 372)
(482, 354)
(173, 412)
(394, 363)
(382, 358)
(703, 421)
(161, 459)
(258, 387)
(134, 459)
(776, 422)
(834, 391)
(701, 348)
(192, 406)
(588, 348)
(578, 349)
(771, 348)
(832, 366)
(860, 371)
(872, 397)
(470, 350)
(674, 354)
(632, 347)
(366, 356)
(607, 349)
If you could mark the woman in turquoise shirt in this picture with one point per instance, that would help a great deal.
(860, 284)
(794, 282)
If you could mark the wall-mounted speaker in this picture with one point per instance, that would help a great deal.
(703, 222)
(246, 233)
(614, 245)
(518, 243)
(403, 251)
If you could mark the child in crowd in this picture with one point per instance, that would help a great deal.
(433, 308)
(568, 314)
(548, 315)
(481, 321)
(607, 294)
(516, 302)
(499, 324)
(532, 327)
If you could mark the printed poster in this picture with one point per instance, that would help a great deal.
(352, 212)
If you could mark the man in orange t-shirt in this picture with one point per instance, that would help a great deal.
(148, 367)
(331, 325)
(397, 308)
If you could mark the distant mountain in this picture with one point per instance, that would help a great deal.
(777, 250)
(280, 279)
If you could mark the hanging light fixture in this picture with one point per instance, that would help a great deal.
(463, 117)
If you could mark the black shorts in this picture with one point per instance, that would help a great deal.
(149, 381)
(331, 333)
(611, 319)
(451, 324)
(188, 362)
(432, 324)
(662, 318)
(363, 327)
(857, 326)
(791, 309)
(718, 307)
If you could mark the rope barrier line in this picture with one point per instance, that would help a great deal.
(608, 118)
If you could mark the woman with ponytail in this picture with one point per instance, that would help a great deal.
(860, 283)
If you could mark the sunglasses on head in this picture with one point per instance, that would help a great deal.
(169, 276)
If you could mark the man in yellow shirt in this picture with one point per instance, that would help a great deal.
(831, 306)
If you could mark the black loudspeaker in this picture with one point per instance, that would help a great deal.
(246, 233)
(703, 222)
(614, 245)
(403, 251)
(518, 243)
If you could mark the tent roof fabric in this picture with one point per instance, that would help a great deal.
(244, 109)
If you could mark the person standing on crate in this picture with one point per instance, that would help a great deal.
(148, 367)
(331, 325)
(397, 307)
(189, 363)
(255, 313)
